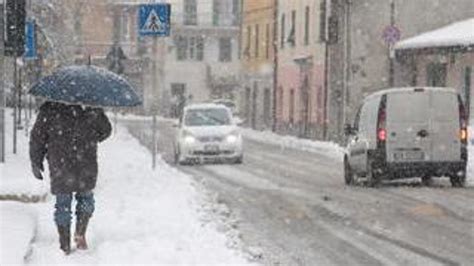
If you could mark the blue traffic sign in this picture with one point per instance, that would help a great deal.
(30, 40)
(154, 20)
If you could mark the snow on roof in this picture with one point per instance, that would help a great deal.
(457, 34)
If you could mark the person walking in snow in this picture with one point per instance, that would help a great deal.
(67, 136)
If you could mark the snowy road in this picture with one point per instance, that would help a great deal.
(294, 209)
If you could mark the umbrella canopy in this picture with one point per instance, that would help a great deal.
(88, 85)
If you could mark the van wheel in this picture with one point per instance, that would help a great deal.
(373, 179)
(426, 180)
(348, 174)
(458, 181)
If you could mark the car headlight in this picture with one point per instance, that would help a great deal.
(189, 139)
(232, 138)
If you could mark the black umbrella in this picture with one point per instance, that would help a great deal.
(88, 85)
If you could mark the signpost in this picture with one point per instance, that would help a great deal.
(154, 21)
(391, 34)
(30, 40)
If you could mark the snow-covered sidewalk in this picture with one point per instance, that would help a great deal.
(142, 216)
(329, 149)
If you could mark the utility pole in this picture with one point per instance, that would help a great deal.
(391, 70)
(2, 87)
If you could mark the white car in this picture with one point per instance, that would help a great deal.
(408, 132)
(208, 132)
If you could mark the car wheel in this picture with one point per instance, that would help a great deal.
(348, 174)
(177, 157)
(373, 179)
(239, 160)
(458, 180)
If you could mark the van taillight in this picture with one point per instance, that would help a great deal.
(462, 122)
(463, 135)
(382, 134)
(381, 123)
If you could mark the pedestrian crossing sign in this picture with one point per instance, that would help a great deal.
(154, 19)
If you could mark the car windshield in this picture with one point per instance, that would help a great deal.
(207, 117)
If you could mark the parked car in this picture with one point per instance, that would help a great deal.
(408, 132)
(227, 103)
(208, 132)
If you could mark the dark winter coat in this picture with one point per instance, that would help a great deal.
(67, 136)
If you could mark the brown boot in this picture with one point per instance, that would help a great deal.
(65, 239)
(80, 234)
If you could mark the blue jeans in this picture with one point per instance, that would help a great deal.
(84, 206)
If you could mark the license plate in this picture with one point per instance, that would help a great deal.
(211, 148)
(409, 156)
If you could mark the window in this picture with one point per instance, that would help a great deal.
(267, 41)
(267, 105)
(225, 50)
(235, 12)
(196, 48)
(216, 7)
(125, 27)
(257, 47)
(225, 12)
(190, 48)
(436, 75)
(282, 32)
(181, 48)
(292, 36)
(467, 89)
(190, 12)
(292, 106)
(199, 48)
(247, 46)
(322, 21)
(280, 101)
(178, 89)
(306, 26)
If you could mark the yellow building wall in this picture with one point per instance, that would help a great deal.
(259, 13)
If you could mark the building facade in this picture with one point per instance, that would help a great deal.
(440, 58)
(300, 93)
(201, 57)
(258, 63)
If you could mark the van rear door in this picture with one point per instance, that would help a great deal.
(423, 125)
(445, 127)
(408, 126)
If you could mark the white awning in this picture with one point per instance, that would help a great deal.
(457, 34)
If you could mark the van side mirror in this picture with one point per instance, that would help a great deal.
(349, 130)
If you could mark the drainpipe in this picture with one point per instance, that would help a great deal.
(275, 66)
(347, 64)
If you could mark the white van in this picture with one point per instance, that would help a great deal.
(408, 132)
